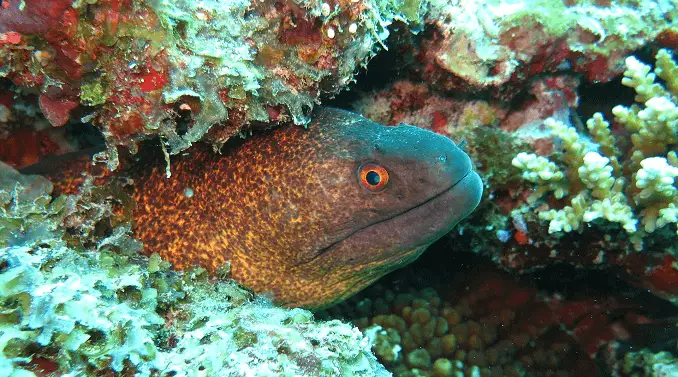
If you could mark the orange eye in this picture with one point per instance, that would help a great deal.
(373, 177)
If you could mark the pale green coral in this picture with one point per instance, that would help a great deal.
(494, 38)
(98, 311)
(544, 173)
(258, 339)
(94, 308)
(636, 189)
(217, 54)
(645, 363)
(27, 211)
(53, 296)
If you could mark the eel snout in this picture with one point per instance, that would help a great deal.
(458, 192)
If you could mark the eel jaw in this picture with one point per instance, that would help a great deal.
(414, 228)
(356, 261)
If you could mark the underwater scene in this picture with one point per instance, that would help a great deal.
(339, 188)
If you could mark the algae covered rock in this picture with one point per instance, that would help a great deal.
(181, 69)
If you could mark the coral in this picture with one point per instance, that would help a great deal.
(496, 328)
(111, 310)
(230, 338)
(460, 316)
(476, 45)
(27, 211)
(96, 316)
(177, 69)
(419, 334)
(648, 364)
(635, 189)
(95, 310)
(546, 96)
(25, 134)
(416, 104)
(102, 316)
(189, 71)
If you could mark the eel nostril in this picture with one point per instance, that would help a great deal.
(442, 158)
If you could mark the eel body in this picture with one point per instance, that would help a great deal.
(312, 215)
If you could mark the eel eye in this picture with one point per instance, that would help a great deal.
(373, 177)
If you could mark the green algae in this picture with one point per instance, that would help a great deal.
(93, 93)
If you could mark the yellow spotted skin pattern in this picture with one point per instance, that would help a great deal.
(288, 209)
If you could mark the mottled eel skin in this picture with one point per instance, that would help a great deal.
(312, 215)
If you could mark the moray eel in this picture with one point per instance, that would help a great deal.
(312, 215)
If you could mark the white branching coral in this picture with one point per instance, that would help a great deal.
(543, 172)
(637, 188)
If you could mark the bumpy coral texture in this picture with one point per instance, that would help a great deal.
(636, 189)
(95, 310)
(490, 326)
(259, 339)
(646, 363)
(488, 43)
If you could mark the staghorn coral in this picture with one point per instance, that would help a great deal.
(636, 188)
(110, 310)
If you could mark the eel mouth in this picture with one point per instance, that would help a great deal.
(416, 227)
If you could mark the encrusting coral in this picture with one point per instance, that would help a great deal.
(646, 363)
(209, 70)
(229, 338)
(85, 309)
(636, 188)
(110, 310)
(138, 68)
(489, 43)
(96, 311)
